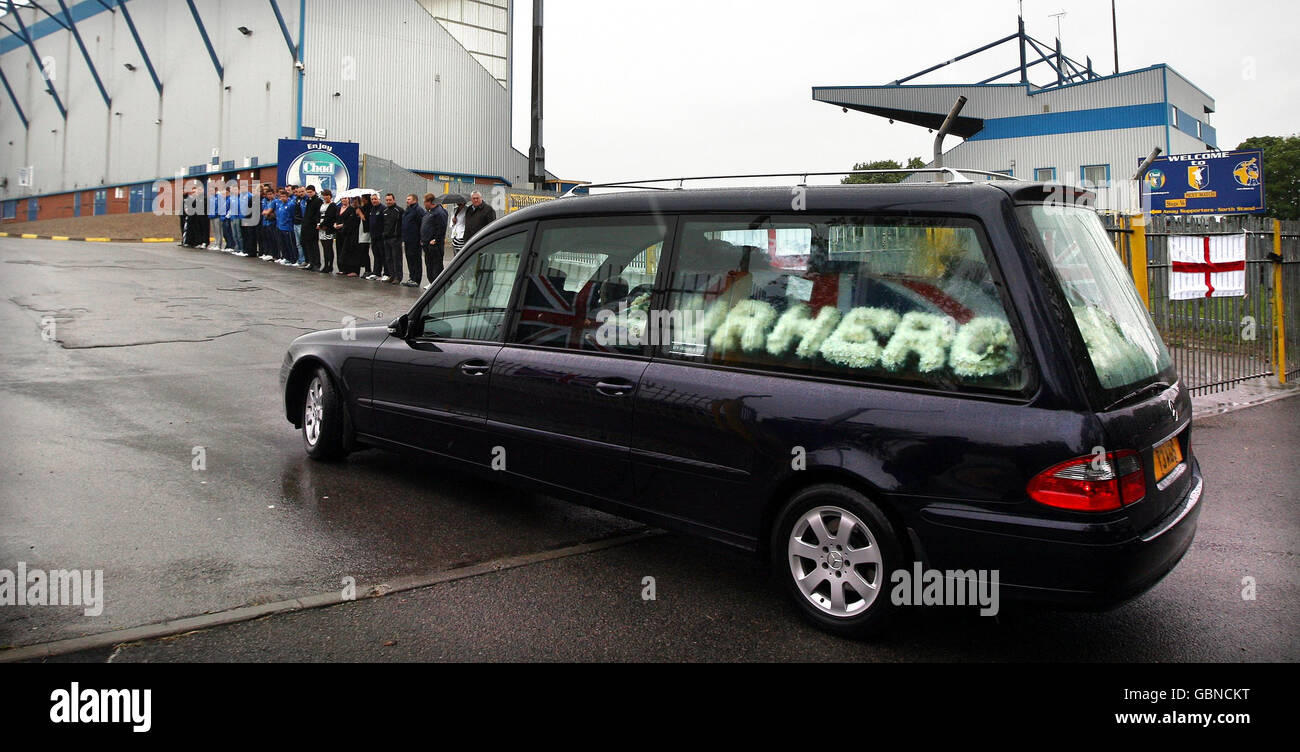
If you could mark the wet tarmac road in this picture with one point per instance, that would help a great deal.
(160, 350)
(96, 457)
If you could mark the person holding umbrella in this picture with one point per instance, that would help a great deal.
(457, 220)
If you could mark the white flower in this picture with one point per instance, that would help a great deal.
(984, 346)
(712, 319)
(926, 334)
(746, 327)
(854, 343)
(797, 323)
(1115, 358)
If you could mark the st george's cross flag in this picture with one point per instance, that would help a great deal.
(1207, 266)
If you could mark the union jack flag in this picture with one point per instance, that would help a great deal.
(555, 317)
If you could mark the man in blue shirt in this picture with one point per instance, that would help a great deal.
(270, 237)
(284, 210)
(229, 229)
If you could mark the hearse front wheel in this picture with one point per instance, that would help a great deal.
(834, 550)
(322, 418)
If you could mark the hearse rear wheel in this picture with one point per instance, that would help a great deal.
(834, 550)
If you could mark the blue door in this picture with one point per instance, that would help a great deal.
(76, 204)
(32, 208)
(101, 202)
(136, 204)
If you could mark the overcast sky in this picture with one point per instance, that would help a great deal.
(638, 89)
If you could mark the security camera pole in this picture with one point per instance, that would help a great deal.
(537, 154)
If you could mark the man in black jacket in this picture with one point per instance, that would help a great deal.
(310, 222)
(478, 215)
(392, 229)
(411, 219)
(433, 231)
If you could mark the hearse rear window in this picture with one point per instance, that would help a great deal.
(894, 299)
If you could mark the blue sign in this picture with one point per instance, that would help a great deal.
(1213, 182)
(325, 164)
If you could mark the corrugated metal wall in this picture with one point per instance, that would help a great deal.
(406, 90)
(144, 136)
(412, 94)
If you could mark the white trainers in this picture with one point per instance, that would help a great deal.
(384, 278)
(372, 276)
(428, 286)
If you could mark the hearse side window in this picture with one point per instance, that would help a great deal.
(586, 281)
(891, 299)
(473, 303)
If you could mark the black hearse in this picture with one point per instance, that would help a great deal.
(850, 379)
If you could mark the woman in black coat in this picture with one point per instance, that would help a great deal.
(348, 226)
(363, 235)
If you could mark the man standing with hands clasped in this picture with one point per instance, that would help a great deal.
(411, 220)
(433, 231)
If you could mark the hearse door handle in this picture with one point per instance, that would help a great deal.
(475, 367)
(614, 387)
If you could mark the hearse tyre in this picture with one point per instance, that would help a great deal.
(322, 417)
(833, 549)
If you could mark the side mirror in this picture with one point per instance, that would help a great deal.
(398, 327)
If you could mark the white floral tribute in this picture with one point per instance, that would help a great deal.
(867, 337)
(1115, 358)
(713, 317)
(745, 327)
(855, 343)
(984, 346)
(797, 324)
(928, 335)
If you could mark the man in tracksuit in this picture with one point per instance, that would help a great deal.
(249, 221)
(392, 228)
(433, 232)
(411, 219)
(213, 238)
(270, 236)
(229, 224)
(284, 210)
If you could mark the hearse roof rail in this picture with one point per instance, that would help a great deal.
(948, 175)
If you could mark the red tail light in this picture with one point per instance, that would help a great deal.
(1091, 483)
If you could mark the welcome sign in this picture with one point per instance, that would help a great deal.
(333, 165)
(1216, 182)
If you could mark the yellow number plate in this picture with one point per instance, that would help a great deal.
(1166, 457)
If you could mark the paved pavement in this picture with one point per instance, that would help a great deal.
(161, 350)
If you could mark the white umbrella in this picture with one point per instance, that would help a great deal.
(356, 192)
